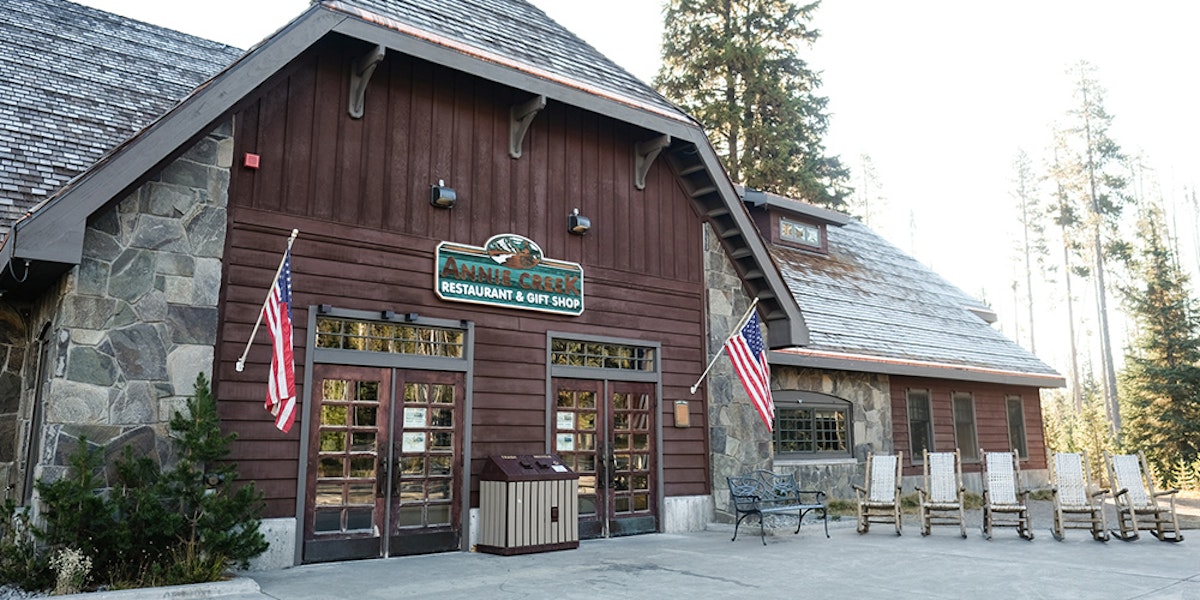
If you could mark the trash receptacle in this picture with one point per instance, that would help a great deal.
(527, 503)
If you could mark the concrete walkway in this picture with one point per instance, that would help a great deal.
(708, 565)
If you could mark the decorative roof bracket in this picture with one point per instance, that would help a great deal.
(520, 118)
(644, 154)
(360, 75)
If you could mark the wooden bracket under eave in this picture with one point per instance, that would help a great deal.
(644, 154)
(360, 75)
(520, 117)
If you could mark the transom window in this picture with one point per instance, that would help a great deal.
(395, 338)
(810, 424)
(601, 355)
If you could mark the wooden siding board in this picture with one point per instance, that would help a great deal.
(301, 105)
(271, 146)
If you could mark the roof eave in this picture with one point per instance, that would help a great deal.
(912, 368)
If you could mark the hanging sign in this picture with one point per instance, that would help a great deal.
(509, 271)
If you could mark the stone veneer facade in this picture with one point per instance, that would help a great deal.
(739, 442)
(134, 324)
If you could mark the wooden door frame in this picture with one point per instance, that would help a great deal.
(314, 356)
(593, 373)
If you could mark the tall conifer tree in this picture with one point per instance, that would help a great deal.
(735, 66)
(1161, 379)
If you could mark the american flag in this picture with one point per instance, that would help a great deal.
(281, 388)
(749, 356)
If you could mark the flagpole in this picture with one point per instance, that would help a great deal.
(241, 362)
(741, 323)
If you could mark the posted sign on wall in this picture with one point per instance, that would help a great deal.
(509, 271)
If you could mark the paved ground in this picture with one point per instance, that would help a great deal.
(707, 564)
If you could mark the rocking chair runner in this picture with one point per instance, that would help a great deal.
(1137, 502)
(1004, 503)
(1076, 505)
(879, 502)
(942, 495)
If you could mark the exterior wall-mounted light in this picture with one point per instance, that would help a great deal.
(442, 196)
(577, 223)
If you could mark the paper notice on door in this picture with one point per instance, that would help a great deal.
(414, 418)
(564, 442)
(414, 442)
(566, 420)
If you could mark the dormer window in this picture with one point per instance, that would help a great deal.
(804, 234)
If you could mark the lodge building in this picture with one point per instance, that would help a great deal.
(507, 245)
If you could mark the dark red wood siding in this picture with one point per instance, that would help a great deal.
(991, 420)
(358, 190)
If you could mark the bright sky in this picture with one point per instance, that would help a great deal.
(940, 94)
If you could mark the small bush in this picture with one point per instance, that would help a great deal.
(21, 563)
(186, 524)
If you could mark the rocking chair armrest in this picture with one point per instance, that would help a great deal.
(1120, 492)
(1100, 492)
(858, 488)
(1170, 492)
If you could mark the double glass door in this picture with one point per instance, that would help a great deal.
(384, 463)
(605, 431)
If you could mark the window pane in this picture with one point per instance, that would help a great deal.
(1016, 426)
(330, 467)
(920, 430)
(964, 426)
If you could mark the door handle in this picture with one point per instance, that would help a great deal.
(383, 475)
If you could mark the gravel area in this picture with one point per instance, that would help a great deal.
(8, 592)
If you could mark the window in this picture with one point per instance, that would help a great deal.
(808, 424)
(920, 425)
(799, 233)
(573, 353)
(378, 336)
(964, 425)
(1016, 426)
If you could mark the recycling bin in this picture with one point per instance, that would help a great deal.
(527, 503)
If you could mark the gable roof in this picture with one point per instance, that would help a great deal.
(506, 41)
(75, 82)
(871, 307)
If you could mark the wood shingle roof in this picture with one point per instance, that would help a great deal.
(75, 82)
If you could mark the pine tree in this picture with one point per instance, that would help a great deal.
(734, 65)
(221, 519)
(1161, 379)
(1092, 177)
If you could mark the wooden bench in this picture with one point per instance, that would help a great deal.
(763, 493)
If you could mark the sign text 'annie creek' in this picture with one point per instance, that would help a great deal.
(509, 271)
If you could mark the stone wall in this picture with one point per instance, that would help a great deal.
(136, 321)
(869, 396)
(738, 442)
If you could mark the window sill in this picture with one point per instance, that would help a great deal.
(797, 461)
